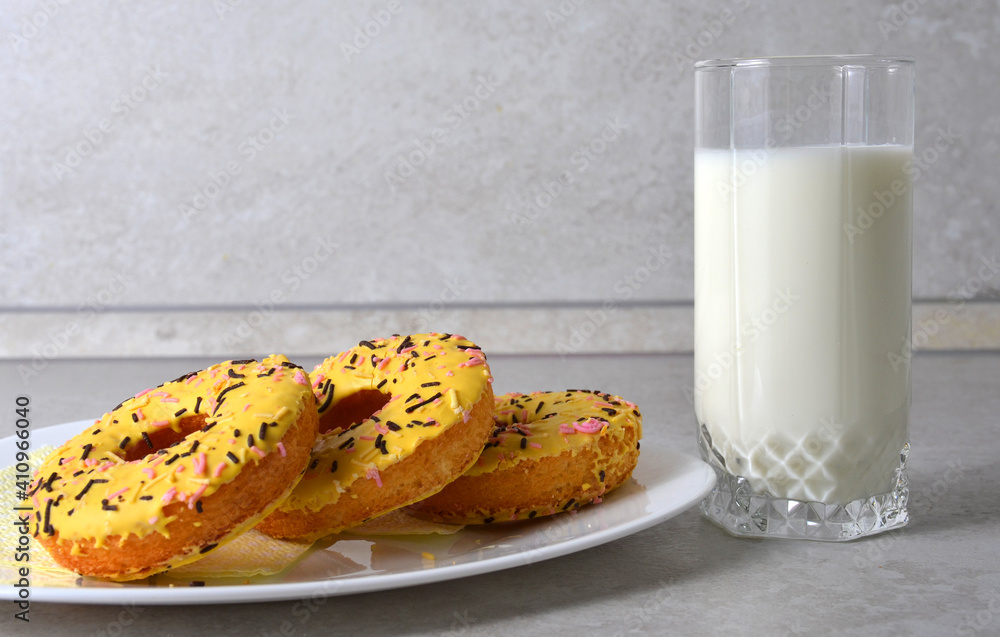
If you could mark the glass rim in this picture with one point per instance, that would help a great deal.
(858, 59)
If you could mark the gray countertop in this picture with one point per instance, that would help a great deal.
(940, 575)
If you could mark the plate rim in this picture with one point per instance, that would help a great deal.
(696, 476)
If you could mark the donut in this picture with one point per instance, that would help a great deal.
(549, 452)
(399, 419)
(176, 471)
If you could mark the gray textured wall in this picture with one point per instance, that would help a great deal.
(215, 156)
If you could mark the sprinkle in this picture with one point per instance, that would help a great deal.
(534, 445)
(372, 474)
(346, 443)
(232, 457)
(172, 459)
(180, 468)
(145, 437)
(197, 404)
(257, 450)
(154, 519)
(169, 495)
(413, 408)
(300, 378)
(197, 506)
(87, 488)
(117, 493)
(168, 400)
(108, 507)
(149, 472)
(198, 464)
(333, 467)
(135, 417)
(143, 393)
(366, 437)
(219, 468)
(208, 548)
(281, 449)
(86, 451)
(193, 500)
(160, 423)
(263, 431)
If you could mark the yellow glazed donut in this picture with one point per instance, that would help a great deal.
(177, 470)
(549, 452)
(402, 417)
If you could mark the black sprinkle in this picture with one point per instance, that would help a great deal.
(197, 404)
(135, 417)
(431, 384)
(194, 446)
(346, 443)
(197, 506)
(378, 441)
(87, 487)
(349, 367)
(569, 504)
(602, 475)
(146, 497)
(312, 465)
(95, 432)
(229, 389)
(197, 583)
(249, 440)
(234, 374)
(326, 401)
(244, 361)
(80, 472)
(86, 451)
(392, 426)
(524, 443)
(413, 408)
(354, 357)
(540, 403)
(180, 411)
(532, 514)
(145, 438)
(172, 459)
(125, 441)
(367, 344)
(290, 364)
(208, 426)
(207, 547)
(263, 431)
(236, 433)
(48, 512)
(333, 467)
(51, 479)
(637, 446)
(232, 456)
(108, 507)
(381, 383)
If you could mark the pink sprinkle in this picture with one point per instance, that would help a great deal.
(199, 381)
(598, 500)
(407, 350)
(232, 441)
(149, 472)
(441, 366)
(472, 362)
(138, 414)
(246, 406)
(402, 367)
(381, 429)
(180, 468)
(197, 494)
(385, 361)
(160, 423)
(281, 449)
(154, 519)
(534, 445)
(450, 373)
(343, 355)
(199, 463)
(104, 467)
(169, 495)
(438, 346)
(160, 394)
(300, 378)
(70, 459)
(168, 400)
(366, 437)
(190, 378)
(590, 426)
(117, 493)
(372, 474)
(143, 393)
(219, 468)
(566, 429)
(257, 450)
(90, 462)
(157, 460)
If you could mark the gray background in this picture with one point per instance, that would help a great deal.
(135, 240)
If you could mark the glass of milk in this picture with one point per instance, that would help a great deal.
(803, 244)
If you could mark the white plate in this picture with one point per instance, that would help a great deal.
(664, 484)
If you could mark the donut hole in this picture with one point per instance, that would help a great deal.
(353, 409)
(163, 438)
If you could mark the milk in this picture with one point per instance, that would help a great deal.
(801, 366)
